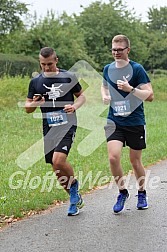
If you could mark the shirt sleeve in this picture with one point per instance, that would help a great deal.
(104, 81)
(77, 87)
(142, 76)
(31, 90)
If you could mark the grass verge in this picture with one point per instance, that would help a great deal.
(26, 190)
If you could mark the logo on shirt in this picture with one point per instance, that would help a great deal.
(127, 76)
(54, 92)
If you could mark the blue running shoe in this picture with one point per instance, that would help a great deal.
(74, 196)
(119, 206)
(142, 201)
(74, 208)
(80, 203)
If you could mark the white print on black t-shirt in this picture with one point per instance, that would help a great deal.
(54, 92)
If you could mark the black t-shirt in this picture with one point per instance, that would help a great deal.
(58, 91)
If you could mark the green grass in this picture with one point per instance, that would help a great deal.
(20, 131)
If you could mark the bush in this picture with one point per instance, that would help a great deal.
(16, 64)
(158, 72)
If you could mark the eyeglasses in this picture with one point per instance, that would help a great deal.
(120, 50)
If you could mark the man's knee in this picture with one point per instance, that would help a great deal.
(58, 160)
(114, 159)
(136, 164)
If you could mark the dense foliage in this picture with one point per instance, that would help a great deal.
(86, 36)
(14, 65)
(11, 12)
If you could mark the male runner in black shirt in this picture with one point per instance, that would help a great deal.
(54, 90)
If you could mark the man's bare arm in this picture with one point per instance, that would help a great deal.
(32, 104)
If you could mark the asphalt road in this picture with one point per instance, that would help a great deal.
(96, 228)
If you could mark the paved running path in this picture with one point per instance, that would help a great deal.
(96, 228)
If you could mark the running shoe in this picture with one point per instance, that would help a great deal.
(74, 208)
(142, 201)
(74, 196)
(80, 203)
(119, 206)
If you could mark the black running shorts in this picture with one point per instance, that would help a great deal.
(58, 141)
(132, 136)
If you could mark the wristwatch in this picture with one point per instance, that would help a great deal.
(133, 90)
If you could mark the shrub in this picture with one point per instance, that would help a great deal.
(16, 64)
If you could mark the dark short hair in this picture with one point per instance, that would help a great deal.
(47, 52)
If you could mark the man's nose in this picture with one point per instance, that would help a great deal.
(46, 67)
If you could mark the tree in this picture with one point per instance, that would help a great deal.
(89, 35)
(158, 19)
(157, 30)
(101, 22)
(11, 12)
(61, 33)
(157, 48)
